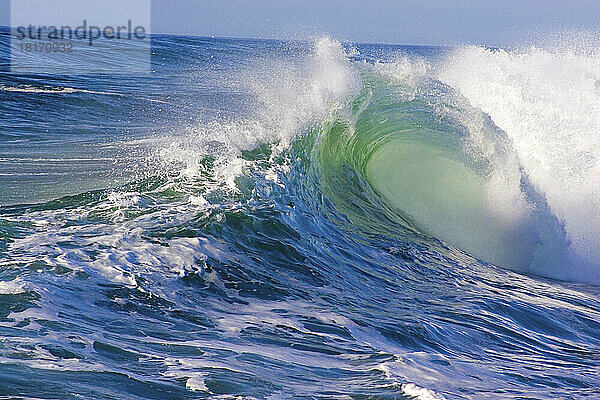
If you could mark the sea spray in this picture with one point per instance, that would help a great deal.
(290, 96)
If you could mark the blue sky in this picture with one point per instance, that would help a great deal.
(492, 22)
(437, 22)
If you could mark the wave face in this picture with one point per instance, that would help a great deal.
(303, 220)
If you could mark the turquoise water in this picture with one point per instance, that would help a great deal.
(272, 220)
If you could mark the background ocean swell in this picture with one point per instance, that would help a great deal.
(270, 241)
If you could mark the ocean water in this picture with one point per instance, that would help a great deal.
(303, 220)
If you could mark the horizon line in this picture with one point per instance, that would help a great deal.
(206, 36)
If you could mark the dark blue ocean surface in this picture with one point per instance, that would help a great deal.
(302, 220)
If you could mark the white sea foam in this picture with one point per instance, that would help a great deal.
(548, 103)
(15, 286)
(124, 252)
(46, 89)
(416, 392)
